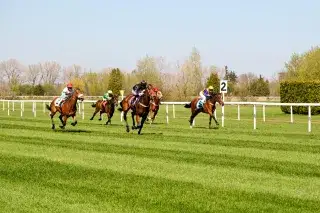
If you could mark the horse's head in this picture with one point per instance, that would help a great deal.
(115, 100)
(78, 94)
(216, 97)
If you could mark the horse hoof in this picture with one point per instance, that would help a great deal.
(91, 119)
(53, 126)
(62, 127)
(100, 119)
(128, 129)
(133, 127)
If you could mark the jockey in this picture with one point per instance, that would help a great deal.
(138, 88)
(107, 96)
(66, 93)
(204, 94)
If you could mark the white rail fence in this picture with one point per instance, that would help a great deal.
(10, 104)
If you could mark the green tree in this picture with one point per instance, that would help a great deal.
(38, 90)
(259, 87)
(213, 80)
(304, 67)
(116, 81)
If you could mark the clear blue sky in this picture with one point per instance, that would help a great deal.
(248, 36)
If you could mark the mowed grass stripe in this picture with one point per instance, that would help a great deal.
(277, 155)
(224, 160)
(118, 192)
(206, 175)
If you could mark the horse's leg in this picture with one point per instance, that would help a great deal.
(109, 118)
(125, 119)
(154, 115)
(138, 120)
(144, 117)
(193, 115)
(210, 118)
(51, 116)
(74, 120)
(133, 121)
(215, 119)
(101, 112)
(94, 114)
(64, 121)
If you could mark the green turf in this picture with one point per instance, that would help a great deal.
(169, 168)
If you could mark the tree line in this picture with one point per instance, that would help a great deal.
(182, 81)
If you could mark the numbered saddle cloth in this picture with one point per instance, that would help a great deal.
(199, 104)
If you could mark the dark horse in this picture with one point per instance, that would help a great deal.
(68, 109)
(140, 109)
(154, 106)
(209, 107)
(107, 107)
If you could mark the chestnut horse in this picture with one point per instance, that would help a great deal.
(209, 107)
(68, 109)
(107, 107)
(140, 109)
(154, 105)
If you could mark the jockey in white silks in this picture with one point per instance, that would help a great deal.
(66, 93)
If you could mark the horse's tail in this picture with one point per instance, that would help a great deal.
(48, 107)
(93, 105)
(187, 105)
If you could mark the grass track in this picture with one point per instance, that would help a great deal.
(169, 168)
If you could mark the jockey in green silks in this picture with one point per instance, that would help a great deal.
(107, 96)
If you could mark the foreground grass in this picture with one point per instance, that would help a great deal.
(170, 168)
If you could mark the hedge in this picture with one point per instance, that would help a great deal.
(300, 92)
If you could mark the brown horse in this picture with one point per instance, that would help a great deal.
(209, 107)
(140, 109)
(154, 105)
(68, 109)
(107, 107)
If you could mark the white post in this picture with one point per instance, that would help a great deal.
(13, 106)
(21, 109)
(222, 118)
(35, 109)
(8, 107)
(254, 117)
(264, 113)
(121, 115)
(309, 118)
(82, 110)
(167, 113)
(291, 114)
(215, 113)
(238, 112)
(79, 108)
(173, 111)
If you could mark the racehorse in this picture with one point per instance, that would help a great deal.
(209, 107)
(154, 105)
(68, 109)
(140, 109)
(107, 107)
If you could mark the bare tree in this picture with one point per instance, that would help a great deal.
(50, 72)
(11, 70)
(72, 72)
(33, 74)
